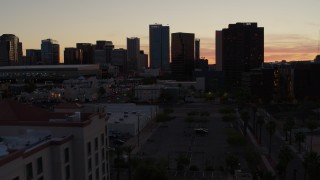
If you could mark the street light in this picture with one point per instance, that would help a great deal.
(138, 114)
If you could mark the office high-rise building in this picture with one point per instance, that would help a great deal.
(182, 55)
(219, 50)
(197, 49)
(159, 46)
(9, 50)
(242, 50)
(73, 56)
(87, 52)
(103, 52)
(133, 50)
(50, 51)
(33, 56)
(119, 59)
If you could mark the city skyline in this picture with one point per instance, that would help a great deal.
(291, 27)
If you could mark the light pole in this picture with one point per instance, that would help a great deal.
(138, 114)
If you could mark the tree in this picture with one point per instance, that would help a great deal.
(288, 125)
(128, 150)
(260, 122)
(271, 128)
(101, 91)
(311, 163)
(312, 125)
(268, 176)
(285, 156)
(232, 162)
(255, 109)
(245, 118)
(300, 137)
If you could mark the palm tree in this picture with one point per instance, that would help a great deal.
(312, 125)
(289, 124)
(260, 122)
(285, 156)
(245, 118)
(255, 109)
(271, 128)
(300, 137)
(311, 165)
(128, 150)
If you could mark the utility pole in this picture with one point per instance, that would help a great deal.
(138, 114)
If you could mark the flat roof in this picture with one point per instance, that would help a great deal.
(61, 66)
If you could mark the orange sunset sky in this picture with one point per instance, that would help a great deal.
(291, 26)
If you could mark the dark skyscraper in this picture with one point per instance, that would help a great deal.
(159, 46)
(72, 56)
(87, 52)
(242, 50)
(9, 50)
(103, 52)
(133, 50)
(182, 55)
(50, 51)
(33, 56)
(197, 54)
(219, 50)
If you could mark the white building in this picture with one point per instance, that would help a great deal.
(147, 93)
(129, 118)
(36, 144)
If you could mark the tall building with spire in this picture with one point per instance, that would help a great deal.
(159, 46)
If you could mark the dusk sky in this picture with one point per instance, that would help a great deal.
(291, 26)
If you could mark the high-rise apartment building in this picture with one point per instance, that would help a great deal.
(9, 50)
(159, 46)
(182, 55)
(242, 50)
(50, 51)
(133, 50)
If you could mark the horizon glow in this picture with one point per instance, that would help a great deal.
(291, 26)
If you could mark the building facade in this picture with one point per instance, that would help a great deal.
(50, 51)
(33, 56)
(182, 55)
(44, 145)
(242, 50)
(73, 56)
(87, 52)
(133, 52)
(159, 46)
(9, 50)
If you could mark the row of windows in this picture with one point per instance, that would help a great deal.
(29, 169)
(96, 144)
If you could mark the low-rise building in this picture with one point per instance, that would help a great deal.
(36, 144)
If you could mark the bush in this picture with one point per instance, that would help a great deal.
(229, 117)
(235, 138)
(227, 110)
(194, 168)
(168, 110)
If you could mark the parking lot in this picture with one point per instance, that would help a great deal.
(178, 138)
